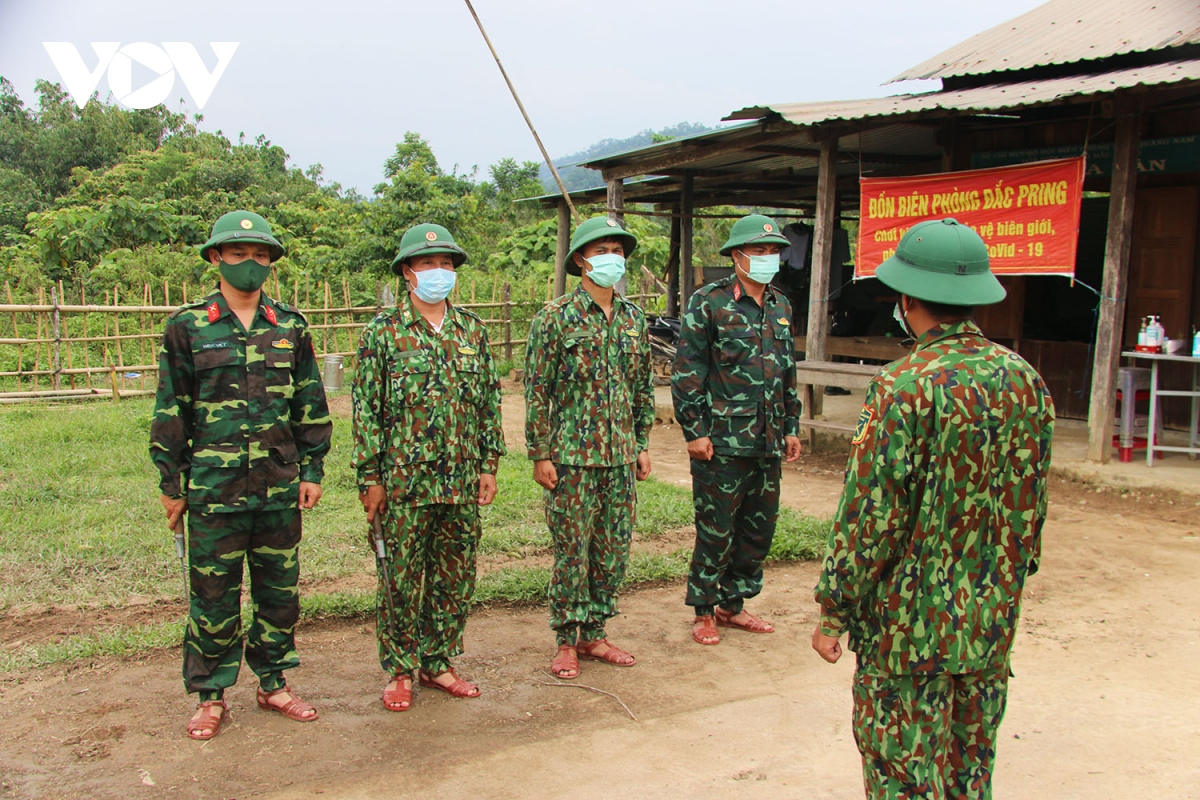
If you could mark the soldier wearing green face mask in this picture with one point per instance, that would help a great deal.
(589, 400)
(734, 387)
(239, 434)
(938, 528)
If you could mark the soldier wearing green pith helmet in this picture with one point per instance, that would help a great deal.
(734, 386)
(239, 434)
(427, 444)
(589, 400)
(938, 528)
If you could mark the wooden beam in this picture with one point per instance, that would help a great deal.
(561, 244)
(687, 275)
(1117, 248)
(616, 212)
(673, 265)
(822, 261)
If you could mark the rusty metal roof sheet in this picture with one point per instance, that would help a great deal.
(1066, 32)
(994, 98)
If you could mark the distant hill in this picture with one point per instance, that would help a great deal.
(580, 178)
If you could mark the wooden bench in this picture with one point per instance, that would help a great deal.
(810, 374)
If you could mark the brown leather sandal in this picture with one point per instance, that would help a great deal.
(704, 630)
(613, 655)
(752, 624)
(459, 688)
(566, 660)
(208, 727)
(292, 709)
(400, 698)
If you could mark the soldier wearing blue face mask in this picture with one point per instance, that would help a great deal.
(734, 386)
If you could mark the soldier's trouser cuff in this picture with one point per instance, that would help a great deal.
(209, 696)
(733, 605)
(271, 682)
(568, 634)
(592, 631)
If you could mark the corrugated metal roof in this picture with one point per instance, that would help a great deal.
(1066, 32)
(995, 98)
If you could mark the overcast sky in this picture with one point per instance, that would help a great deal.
(340, 82)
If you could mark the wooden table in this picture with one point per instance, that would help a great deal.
(829, 373)
(876, 348)
(1193, 448)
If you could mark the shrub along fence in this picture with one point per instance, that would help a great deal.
(62, 349)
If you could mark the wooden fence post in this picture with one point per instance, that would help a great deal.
(507, 322)
(55, 322)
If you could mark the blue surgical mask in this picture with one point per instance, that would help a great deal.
(762, 268)
(898, 315)
(434, 285)
(607, 269)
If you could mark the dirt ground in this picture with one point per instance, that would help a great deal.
(1103, 703)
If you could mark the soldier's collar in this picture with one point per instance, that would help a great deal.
(217, 307)
(584, 299)
(946, 330)
(409, 315)
(739, 291)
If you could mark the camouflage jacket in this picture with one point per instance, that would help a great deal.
(589, 389)
(240, 416)
(734, 378)
(426, 407)
(941, 518)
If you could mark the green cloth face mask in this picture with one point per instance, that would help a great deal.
(248, 275)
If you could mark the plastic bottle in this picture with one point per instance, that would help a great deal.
(1141, 340)
(1195, 344)
(1160, 332)
(1153, 341)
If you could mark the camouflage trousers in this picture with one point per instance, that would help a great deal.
(929, 736)
(218, 544)
(590, 514)
(736, 500)
(431, 575)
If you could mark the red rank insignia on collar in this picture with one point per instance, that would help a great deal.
(214, 312)
(737, 290)
(270, 312)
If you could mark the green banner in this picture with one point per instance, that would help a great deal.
(1159, 156)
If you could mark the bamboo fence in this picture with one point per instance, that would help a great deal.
(66, 350)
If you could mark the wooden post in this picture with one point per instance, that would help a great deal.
(507, 322)
(87, 346)
(822, 263)
(687, 274)
(55, 321)
(673, 265)
(117, 328)
(562, 243)
(616, 212)
(70, 360)
(1117, 247)
(112, 381)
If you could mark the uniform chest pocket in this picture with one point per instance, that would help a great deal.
(280, 364)
(736, 346)
(580, 358)
(409, 378)
(218, 373)
(471, 377)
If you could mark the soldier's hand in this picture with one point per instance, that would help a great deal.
(643, 465)
(310, 494)
(374, 500)
(794, 448)
(700, 449)
(545, 474)
(827, 647)
(174, 506)
(487, 489)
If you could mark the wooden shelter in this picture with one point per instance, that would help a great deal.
(1119, 79)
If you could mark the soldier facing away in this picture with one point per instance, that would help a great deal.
(239, 433)
(734, 387)
(427, 444)
(589, 399)
(938, 527)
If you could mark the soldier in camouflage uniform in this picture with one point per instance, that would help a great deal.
(589, 399)
(734, 387)
(239, 433)
(427, 443)
(938, 527)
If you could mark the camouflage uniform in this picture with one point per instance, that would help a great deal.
(589, 399)
(239, 420)
(938, 527)
(426, 424)
(734, 380)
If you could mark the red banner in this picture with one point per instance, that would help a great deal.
(1027, 213)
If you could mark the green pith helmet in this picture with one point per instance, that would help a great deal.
(597, 228)
(425, 240)
(942, 261)
(754, 229)
(242, 226)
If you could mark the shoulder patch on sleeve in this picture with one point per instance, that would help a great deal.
(865, 418)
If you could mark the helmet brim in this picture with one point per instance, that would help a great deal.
(458, 256)
(759, 238)
(979, 289)
(601, 233)
(233, 237)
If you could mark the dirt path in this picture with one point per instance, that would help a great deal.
(1103, 704)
